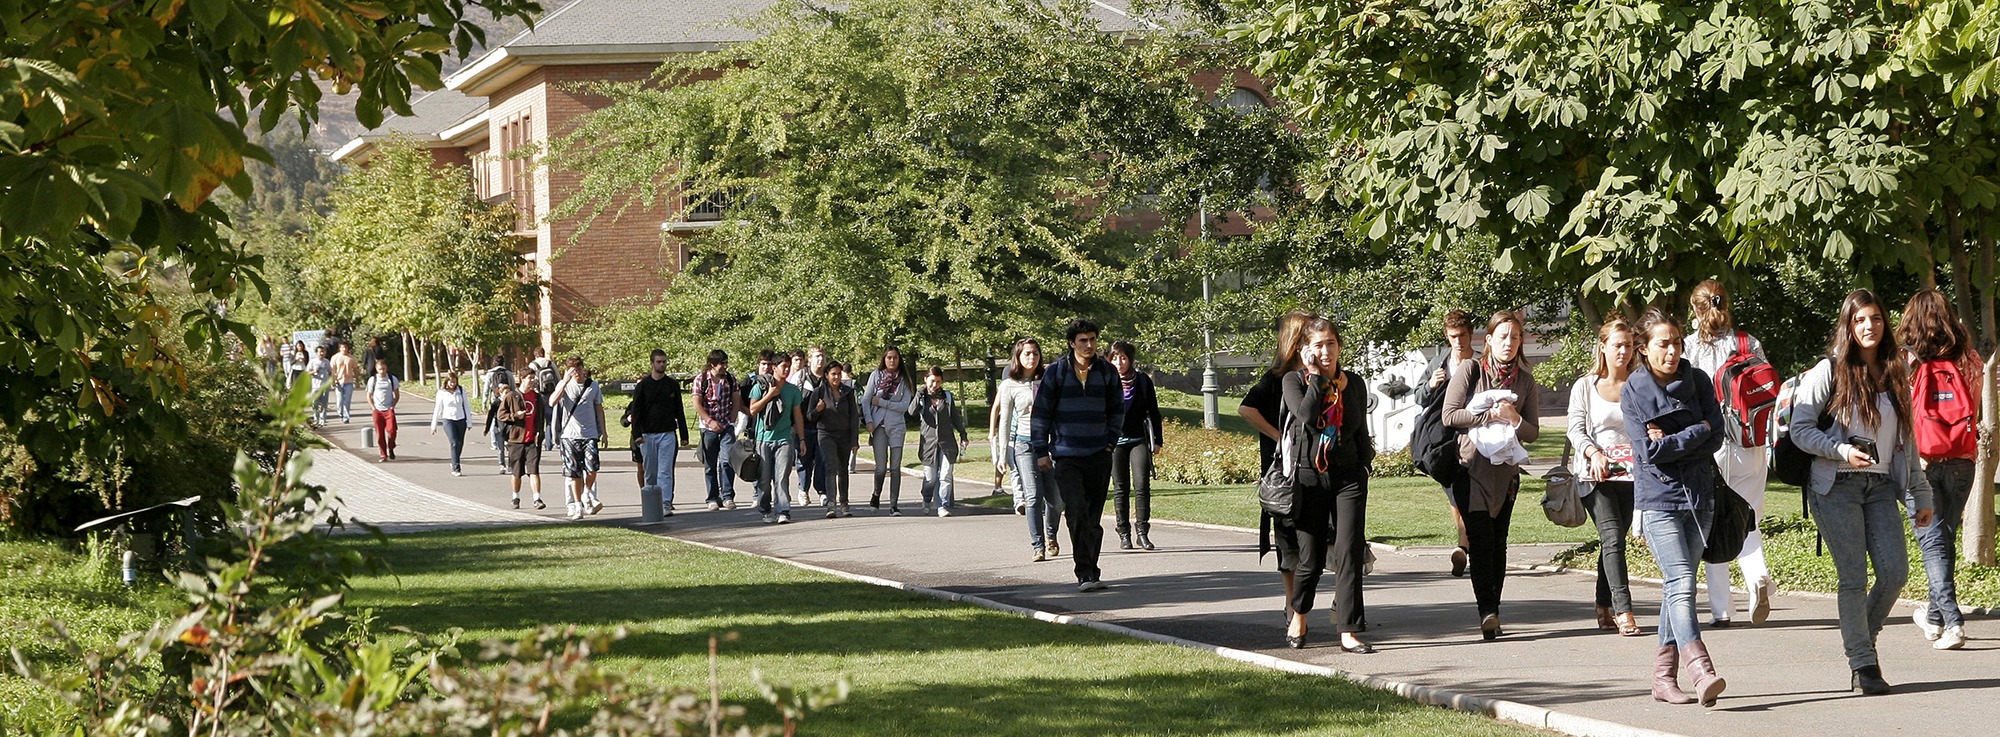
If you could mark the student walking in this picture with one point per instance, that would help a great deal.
(1485, 496)
(885, 403)
(516, 413)
(1263, 407)
(452, 409)
(779, 424)
(938, 417)
(1947, 376)
(344, 373)
(497, 376)
(1714, 345)
(1078, 413)
(835, 409)
(321, 371)
(1010, 424)
(579, 420)
(808, 373)
(659, 422)
(1457, 350)
(715, 407)
(296, 361)
(1326, 450)
(747, 422)
(1866, 464)
(1603, 464)
(1675, 424)
(543, 373)
(1132, 457)
(384, 391)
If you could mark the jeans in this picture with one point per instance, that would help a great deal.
(833, 454)
(454, 435)
(385, 431)
(1610, 504)
(1745, 470)
(1677, 539)
(715, 447)
(888, 462)
(1084, 482)
(346, 401)
(811, 476)
(657, 453)
(320, 396)
(939, 484)
(774, 483)
(1324, 532)
(1951, 483)
(1860, 521)
(1033, 491)
(1132, 476)
(1486, 536)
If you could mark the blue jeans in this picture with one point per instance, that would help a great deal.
(1033, 490)
(346, 402)
(939, 484)
(657, 453)
(1861, 523)
(454, 434)
(1951, 483)
(1677, 539)
(715, 470)
(774, 484)
(811, 475)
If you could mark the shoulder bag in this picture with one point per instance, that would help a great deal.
(1560, 501)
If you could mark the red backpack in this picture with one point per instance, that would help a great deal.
(1944, 412)
(1747, 387)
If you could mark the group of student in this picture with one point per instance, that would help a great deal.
(1666, 421)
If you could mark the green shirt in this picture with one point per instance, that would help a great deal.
(780, 429)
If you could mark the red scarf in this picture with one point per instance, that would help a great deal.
(1503, 376)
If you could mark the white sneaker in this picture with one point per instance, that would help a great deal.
(784, 518)
(1952, 638)
(1922, 616)
(1760, 599)
(574, 510)
(944, 512)
(712, 506)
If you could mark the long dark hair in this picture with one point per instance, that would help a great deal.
(1856, 382)
(1930, 328)
(1018, 372)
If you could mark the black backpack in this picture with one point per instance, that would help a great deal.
(1733, 523)
(1434, 447)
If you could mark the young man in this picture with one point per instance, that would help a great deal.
(1079, 411)
(384, 391)
(1458, 349)
(808, 373)
(345, 371)
(519, 418)
(495, 377)
(542, 372)
(657, 418)
(779, 424)
(715, 406)
(746, 423)
(579, 420)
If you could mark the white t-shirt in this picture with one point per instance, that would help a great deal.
(383, 393)
(579, 405)
(1884, 434)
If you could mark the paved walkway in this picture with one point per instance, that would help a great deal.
(1786, 677)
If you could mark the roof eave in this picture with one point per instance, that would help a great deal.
(487, 76)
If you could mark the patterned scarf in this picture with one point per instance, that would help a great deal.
(1128, 380)
(892, 380)
(1503, 376)
(1332, 414)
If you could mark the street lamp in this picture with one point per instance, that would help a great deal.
(1211, 392)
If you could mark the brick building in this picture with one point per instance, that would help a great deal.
(521, 94)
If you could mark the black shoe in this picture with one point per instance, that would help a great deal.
(1146, 543)
(875, 502)
(517, 502)
(392, 455)
(1361, 649)
(1124, 541)
(1458, 560)
(539, 504)
(1719, 624)
(1868, 680)
(1295, 643)
(1489, 627)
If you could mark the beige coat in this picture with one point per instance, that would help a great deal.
(1491, 484)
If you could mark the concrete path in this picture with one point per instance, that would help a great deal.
(1786, 677)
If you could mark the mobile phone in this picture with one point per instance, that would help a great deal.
(1866, 446)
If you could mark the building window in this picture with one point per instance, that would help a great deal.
(707, 208)
(1244, 100)
(517, 168)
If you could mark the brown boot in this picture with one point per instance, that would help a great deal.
(1604, 621)
(1666, 676)
(1707, 684)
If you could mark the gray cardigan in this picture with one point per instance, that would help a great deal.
(935, 426)
(1830, 445)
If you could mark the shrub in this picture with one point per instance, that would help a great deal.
(1194, 455)
(1394, 465)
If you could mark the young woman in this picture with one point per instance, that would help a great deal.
(1132, 458)
(1262, 407)
(1714, 340)
(1602, 461)
(835, 413)
(1011, 421)
(296, 360)
(455, 413)
(938, 417)
(1486, 495)
(1939, 347)
(885, 402)
(1327, 450)
(1867, 463)
(1675, 424)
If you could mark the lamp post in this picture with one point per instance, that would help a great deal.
(1210, 391)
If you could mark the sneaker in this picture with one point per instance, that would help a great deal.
(595, 504)
(944, 512)
(381, 459)
(517, 502)
(712, 506)
(539, 504)
(784, 518)
(1041, 555)
(730, 505)
(1952, 638)
(1089, 586)
(1922, 616)
(575, 510)
(844, 512)
(894, 512)
(1760, 600)
(832, 513)
(456, 472)
(667, 514)
(768, 519)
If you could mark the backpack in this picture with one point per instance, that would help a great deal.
(1747, 388)
(1792, 464)
(1944, 412)
(1434, 447)
(774, 412)
(545, 377)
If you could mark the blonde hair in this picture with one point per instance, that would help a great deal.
(1710, 303)
(1617, 324)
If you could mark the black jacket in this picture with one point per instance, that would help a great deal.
(842, 417)
(1353, 450)
(656, 408)
(1142, 411)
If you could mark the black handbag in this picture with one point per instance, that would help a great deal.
(1278, 490)
(744, 458)
(1734, 520)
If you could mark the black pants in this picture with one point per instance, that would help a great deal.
(1487, 535)
(1326, 531)
(833, 452)
(1084, 482)
(1610, 504)
(1132, 481)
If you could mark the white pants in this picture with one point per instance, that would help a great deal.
(1745, 470)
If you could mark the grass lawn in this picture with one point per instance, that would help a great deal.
(42, 581)
(918, 666)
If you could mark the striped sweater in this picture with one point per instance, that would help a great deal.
(1072, 419)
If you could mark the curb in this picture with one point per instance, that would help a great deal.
(1510, 711)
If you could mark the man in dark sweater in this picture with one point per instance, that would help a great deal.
(1079, 409)
(655, 416)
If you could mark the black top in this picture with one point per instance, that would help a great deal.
(1267, 396)
(1352, 448)
(656, 407)
(1142, 411)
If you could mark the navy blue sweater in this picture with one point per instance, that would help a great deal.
(1073, 419)
(1676, 472)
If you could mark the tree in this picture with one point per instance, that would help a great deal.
(118, 121)
(940, 173)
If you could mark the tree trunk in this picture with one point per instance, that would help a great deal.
(1977, 539)
(478, 354)
(1591, 313)
(409, 352)
(1962, 278)
(1989, 339)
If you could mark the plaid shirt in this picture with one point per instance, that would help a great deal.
(715, 396)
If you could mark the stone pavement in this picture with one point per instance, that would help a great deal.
(1786, 677)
